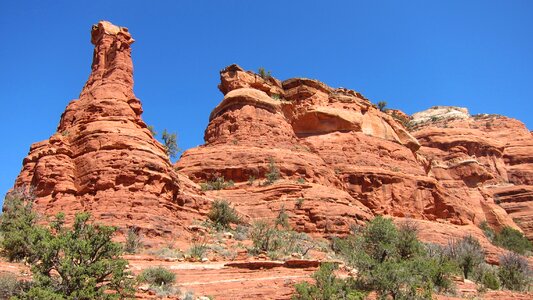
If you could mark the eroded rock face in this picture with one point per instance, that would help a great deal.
(103, 159)
(352, 160)
(486, 160)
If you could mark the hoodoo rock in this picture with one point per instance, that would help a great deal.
(103, 159)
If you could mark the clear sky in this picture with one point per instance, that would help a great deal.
(412, 54)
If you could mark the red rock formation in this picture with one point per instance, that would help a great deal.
(103, 159)
(353, 157)
(341, 159)
(486, 160)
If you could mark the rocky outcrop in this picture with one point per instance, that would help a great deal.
(483, 159)
(103, 159)
(343, 157)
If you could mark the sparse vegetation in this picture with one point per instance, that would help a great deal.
(508, 238)
(10, 286)
(393, 262)
(282, 219)
(467, 253)
(276, 243)
(170, 142)
(299, 203)
(512, 239)
(157, 276)
(273, 172)
(217, 183)
(275, 96)
(327, 286)
(301, 180)
(514, 272)
(152, 130)
(197, 251)
(133, 240)
(222, 215)
(382, 105)
(160, 281)
(264, 74)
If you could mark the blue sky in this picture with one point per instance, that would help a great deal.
(412, 54)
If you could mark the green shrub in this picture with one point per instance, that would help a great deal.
(157, 276)
(489, 232)
(299, 203)
(273, 172)
(327, 286)
(440, 268)
(265, 238)
(467, 253)
(487, 276)
(514, 272)
(9, 285)
(264, 74)
(152, 130)
(513, 240)
(133, 240)
(217, 183)
(170, 143)
(222, 214)
(393, 262)
(81, 262)
(282, 219)
(382, 105)
(197, 251)
(18, 225)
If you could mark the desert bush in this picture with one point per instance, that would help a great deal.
(222, 214)
(268, 238)
(241, 233)
(9, 285)
(514, 272)
(487, 276)
(197, 251)
(467, 253)
(273, 172)
(393, 262)
(217, 183)
(441, 266)
(81, 262)
(133, 240)
(512, 239)
(327, 286)
(264, 237)
(157, 276)
(282, 218)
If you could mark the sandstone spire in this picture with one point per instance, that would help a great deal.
(102, 158)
